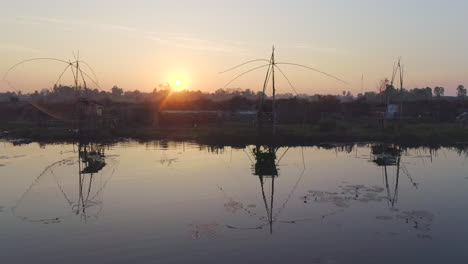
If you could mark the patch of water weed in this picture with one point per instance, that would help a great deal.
(346, 195)
(419, 219)
(424, 236)
(233, 206)
(199, 231)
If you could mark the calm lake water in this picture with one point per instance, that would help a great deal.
(165, 202)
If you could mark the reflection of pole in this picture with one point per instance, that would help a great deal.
(264, 197)
(269, 210)
(271, 206)
(79, 179)
(386, 183)
(397, 178)
(80, 192)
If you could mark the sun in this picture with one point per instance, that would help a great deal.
(178, 79)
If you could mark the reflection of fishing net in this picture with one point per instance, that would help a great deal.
(66, 188)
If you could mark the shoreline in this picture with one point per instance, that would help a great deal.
(240, 134)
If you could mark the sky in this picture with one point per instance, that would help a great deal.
(141, 43)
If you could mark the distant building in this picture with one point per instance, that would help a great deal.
(392, 111)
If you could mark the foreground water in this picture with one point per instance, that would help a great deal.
(184, 203)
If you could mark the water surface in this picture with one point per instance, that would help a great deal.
(164, 202)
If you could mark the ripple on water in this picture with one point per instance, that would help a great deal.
(11, 157)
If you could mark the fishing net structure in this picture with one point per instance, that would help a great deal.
(71, 187)
(66, 103)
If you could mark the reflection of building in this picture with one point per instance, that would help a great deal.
(385, 155)
(91, 158)
(265, 161)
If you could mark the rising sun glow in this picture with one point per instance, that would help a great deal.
(178, 79)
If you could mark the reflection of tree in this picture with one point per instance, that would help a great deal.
(41, 202)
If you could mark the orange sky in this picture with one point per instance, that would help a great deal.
(140, 45)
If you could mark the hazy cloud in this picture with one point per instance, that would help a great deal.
(173, 40)
(13, 47)
(320, 48)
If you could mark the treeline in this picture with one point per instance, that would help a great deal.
(421, 103)
(386, 93)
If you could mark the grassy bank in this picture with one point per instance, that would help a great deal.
(241, 133)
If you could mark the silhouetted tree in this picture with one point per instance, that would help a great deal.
(389, 92)
(116, 91)
(439, 91)
(461, 91)
(420, 93)
(247, 93)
